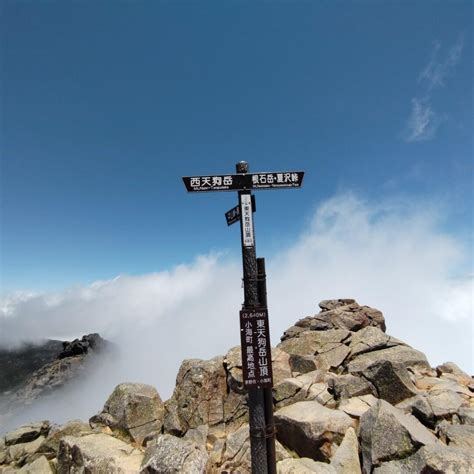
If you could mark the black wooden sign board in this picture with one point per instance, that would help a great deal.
(256, 350)
(239, 182)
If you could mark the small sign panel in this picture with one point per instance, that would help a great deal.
(236, 182)
(233, 215)
(247, 222)
(256, 349)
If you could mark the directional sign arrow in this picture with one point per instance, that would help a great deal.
(240, 182)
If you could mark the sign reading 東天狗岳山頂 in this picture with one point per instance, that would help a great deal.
(255, 345)
(237, 182)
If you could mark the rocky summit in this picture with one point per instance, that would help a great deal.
(348, 398)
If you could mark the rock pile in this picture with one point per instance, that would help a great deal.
(348, 398)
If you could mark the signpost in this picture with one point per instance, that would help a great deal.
(254, 328)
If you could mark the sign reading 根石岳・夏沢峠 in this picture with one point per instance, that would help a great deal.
(236, 182)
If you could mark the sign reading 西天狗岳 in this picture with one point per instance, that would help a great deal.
(236, 182)
(255, 345)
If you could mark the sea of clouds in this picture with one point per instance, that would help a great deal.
(391, 255)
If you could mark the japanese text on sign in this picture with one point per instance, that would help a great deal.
(255, 343)
(234, 182)
(247, 223)
(275, 180)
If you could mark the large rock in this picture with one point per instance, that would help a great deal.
(419, 407)
(459, 436)
(310, 343)
(39, 466)
(50, 447)
(371, 338)
(201, 397)
(304, 466)
(453, 369)
(348, 386)
(346, 459)
(311, 430)
(338, 314)
(357, 406)
(391, 381)
(169, 454)
(237, 457)
(397, 355)
(134, 409)
(90, 342)
(432, 459)
(387, 433)
(27, 433)
(97, 453)
(445, 403)
(19, 453)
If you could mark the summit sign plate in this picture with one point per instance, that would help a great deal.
(256, 349)
(242, 182)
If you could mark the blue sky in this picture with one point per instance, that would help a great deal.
(105, 105)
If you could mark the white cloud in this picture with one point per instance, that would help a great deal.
(438, 69)
(424, 121)
(390, 255)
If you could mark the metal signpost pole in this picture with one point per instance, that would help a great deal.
(267, 391)
(254, 330)
(258, 445)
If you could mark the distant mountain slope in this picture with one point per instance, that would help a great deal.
(17, 365)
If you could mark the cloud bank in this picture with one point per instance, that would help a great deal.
(391, 255)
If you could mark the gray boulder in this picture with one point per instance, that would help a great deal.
(133, 409)
(452, 368)
(387, 433)
(420, 408)
(459, 436)
(339, 314)
(304, 466)
(311, 430)
(466, 414)
(397, 355)
(370, 339)
(50, 447)
(444, 403)
(99, 453)
(27, 433)
(20, 452)
(169, 454)
(40, 466)
(391, 381)
(201, 397)
(431, 459)
(237, 457)
(346, 459)
(348, 386)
